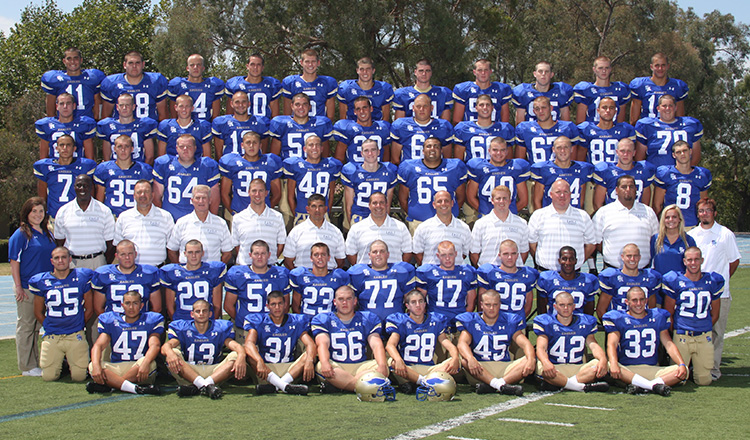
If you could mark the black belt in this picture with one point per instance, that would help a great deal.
(689, 332)
(87, 257)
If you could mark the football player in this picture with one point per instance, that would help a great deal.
(205, 92)
(582, 286)
(320, 88)
(314, 287)
(472, 138)
(379, 92)
(465, 95)
(616, 283)
(313, 175)
(184, 123)
(442, 99)
(409, 134)
(229, 130)
(352, 134)
(148, 88)
(534, 139)
(576, 173)
(588, 96)
(82, 83)
(560, 95)
(657, 135)
(681, 184)
(141, 130)
(263, 92)
(606, 175)
(115, 179)
(362, 180)
(497, 169)
(81, 128)
(646, 91)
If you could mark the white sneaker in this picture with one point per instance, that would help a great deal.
(34, 372)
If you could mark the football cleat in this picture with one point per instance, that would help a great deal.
(546, 386)
(633, 389)
(187, 390)
(327, 388)
(511, 390)
(600, 387)
(265, 388)
(374, 387)
(662, 389)
(93, 387)
(437, 386)
(407, 388)
(485, 388)
(212, 391)
(299, 390)
(148, 389)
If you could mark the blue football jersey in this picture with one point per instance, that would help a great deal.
(241, 172)
(441, 97)
(424, 183)
(639, 338)
(644, 89)
(276, 343)
(476, 139)
(203, 93)
(113, 284)
(567, 343)
(129, 340)
(292, 135)
(490, 343)
(260, 95)
(63, 300)
(489, 176)
(606, 175)
(311, 178)
(201, 348)
(179, 181)
(447, 290)
(382, 292)
(230, 131)
(252, 288)
(683, 190)
(147, 93)
(560, 96)
(616, 284)
(512, 287)
(191, 285)
(365, 183)
(351, 134)
(583, 288)
(119, 184)
(348, 340)
(538, 142)
(84, 87)
(417, 342)
(316, 292)
(140, 130)
(169, 130)
(319, 90)
(466, 93)
(411, 135)
(658, 137)
(381, 94)
(60, 178)
(589, 94)
(80, 128)
(577, 175)
(601, 144)
(693, 299)
(670, 257)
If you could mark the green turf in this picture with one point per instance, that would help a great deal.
(721, 410)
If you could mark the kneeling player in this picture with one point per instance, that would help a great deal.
(133, 337)
(202, 338)
(560, 343)
(632, 346)
(412, 339)
(271, 339)
(484, 344)
(342, 338)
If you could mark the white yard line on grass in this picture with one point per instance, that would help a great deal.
(737, 332)
(536, 422)
(600, 408)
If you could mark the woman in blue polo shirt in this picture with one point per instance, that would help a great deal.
(668, 246)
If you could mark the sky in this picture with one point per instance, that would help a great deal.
(10, 12)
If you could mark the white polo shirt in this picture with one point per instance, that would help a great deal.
(304, 235)
(615, 226)
(213, 234)
(149, 232)
(718, 246)
(393, 232)
(489, 231)
(85, 232)
(248, 226)
(432, 231)
(551, 231)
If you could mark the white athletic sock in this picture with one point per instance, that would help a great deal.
(642, 382)
(128, 387)
(209, 381)
(658, 380)
(287, 378)
(199, 382)
(497, 383)
(276, 381)
(573, 384)
(420, 380)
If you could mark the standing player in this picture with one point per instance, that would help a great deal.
(409, 134)
(289, 133)
(379, 92)
(534, 139)
(62, 305)
(497, 170)
(185, 123)
(577, 174)
(313, 175)
(205, 92)
(606, 175)
(352, 134)
(263, 92)
(560, 95)
(229, 130)
(681, 184)
(83, 84)
(238, 170)
(657, 135)
(81, 128)
(581, 286)
(442, 99)
(141, 130)
(110, 282)
(320, 89)
(646, 91)
(560, 343)
(497, 226)
(472, 138)
(588, 96)
(465, 95)
(616, 283)
(362, 180)
(195, 280)
(314, 286)
(115, 179)
(148, 88)
(514, 283)
(133, 337)
(598, 140)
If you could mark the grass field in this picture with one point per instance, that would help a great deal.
(32, 409)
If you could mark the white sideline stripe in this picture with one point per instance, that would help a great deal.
(600, 408)
(470, 417)
(736, 375)
(463, 438)
(536, 422)
(737, 332)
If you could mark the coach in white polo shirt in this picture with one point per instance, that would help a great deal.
(559, 224)
(624, 221)
(86, 227)
(211, 230)
(442, 227)
(718, 246)
(497, 226)
(146, 225)
(313, 230)
(258, 222)
(378, 226)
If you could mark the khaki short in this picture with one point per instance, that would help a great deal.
(122, 368)
(202, 370)
(648, 371)
(568, 370)
(496, 369)
(55, 348)
(422, 370)
(354, 368)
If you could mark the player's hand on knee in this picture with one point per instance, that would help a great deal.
(262, 370)
(326, 369)
(308, 371)
(601, 369)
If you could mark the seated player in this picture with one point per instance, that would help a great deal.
(63, 317)
(314, 287)
(560, 344)
(615, 283)
(133, 337)
(412, 338)
(202, 339)
(632, 346)
(342, 339)
(270, 343)
(484, 345)
(583, 286)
